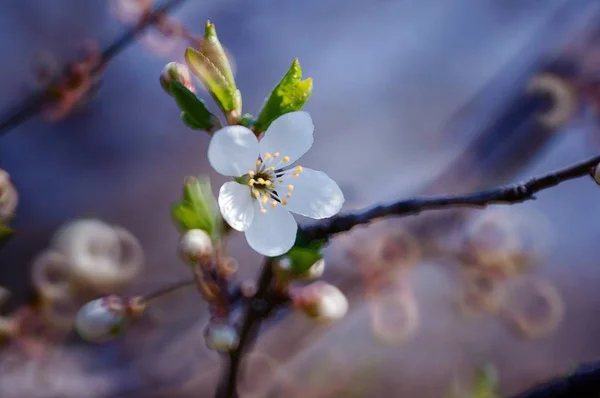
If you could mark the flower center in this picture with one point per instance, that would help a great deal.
(266, 180)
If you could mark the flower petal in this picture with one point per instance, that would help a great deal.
(233, 150)
(235, 203)
(272, 233)
(314, 194)
(290, 134)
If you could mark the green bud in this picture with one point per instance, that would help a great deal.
(176, 72)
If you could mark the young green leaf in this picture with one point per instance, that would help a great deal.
(288, 96)
(195, 114)
(213, 50)
(486, 383)
(213, 79)
(198, 209)
(5, 233)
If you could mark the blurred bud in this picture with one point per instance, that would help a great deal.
(285, 269)
(321, 301)
(8, 196)
(101, 320)
(174, 71)
(563, 96)
(221, 337)
(195, 247)
(101, 257)
(595, 173)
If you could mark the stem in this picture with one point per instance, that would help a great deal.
(585, 380)
(256, 311)
(165, 291)
(504, 195)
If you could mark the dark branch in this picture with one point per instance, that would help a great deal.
(504, 195)
(583, 382)
(257, 309)
(33, 104)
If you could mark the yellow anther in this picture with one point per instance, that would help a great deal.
(281, 181)
(256, 193)
(258, 162)
(261, 181)
(286, 159)
(274, 203)
(284, 202)
(264, 199)
(276, 155)
(272, 168)
(268, 183)
(299, 168)
(251, 173)
(296, 175)
(267, 155)
(288, 195)
(252, 182)
(290, 187)
(263, 211)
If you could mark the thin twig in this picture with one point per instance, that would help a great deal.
(160, 293)
(583, 382)
(258, 308)
(505, 195)
(33, 104)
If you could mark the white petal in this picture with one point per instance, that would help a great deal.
(315, 195)
(272, 233)
(291, 135)
(236, 206)
(233, 150)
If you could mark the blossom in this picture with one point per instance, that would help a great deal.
(100, 320)
(320, 301)
(196, 247)
(266, 186)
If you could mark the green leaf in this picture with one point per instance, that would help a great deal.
(213, 50)
(5, 233)
(198, 209)
(224, 93)
(195, 114)
(288, 96)
(486, 383)
(304, 254)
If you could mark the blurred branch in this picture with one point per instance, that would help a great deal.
(505, 195)
(583, 382)
(36, 101)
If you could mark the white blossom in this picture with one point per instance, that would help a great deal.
(321, 301)
(221, 337)
(101, 320)
(268, 187)
(195, 247)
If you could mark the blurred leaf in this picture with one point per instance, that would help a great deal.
(195, 114)
(5, 233)
(213, 50)
(288, 96)
(304, 254)
(198, 209)
(224, 93)
(486, 383)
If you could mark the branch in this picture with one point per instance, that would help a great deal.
(257, 309)
(505, 195)
(32, 105)
(583, 382)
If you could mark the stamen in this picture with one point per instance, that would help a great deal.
(283, 202)
(268, 183)
(261, 181)
(281, 181)
(258, 162)
(256, 193)
(273, 204)
(286, 159)
(265, 199)
(288, 195)
(252, 182)
(290, 187)
(263, 211)
(276, 155)
(299, 168)
(251, 173)
(272, 168)
(296, 175)
(267, 155)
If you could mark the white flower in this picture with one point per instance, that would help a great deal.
(100, 320)
(261, 207)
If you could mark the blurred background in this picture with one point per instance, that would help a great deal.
(410, 97)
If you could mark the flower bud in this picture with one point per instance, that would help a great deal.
(101, 320)
(8, 196)
(286, 269)
(221, 337)
(195, 247)
(321, 301)
(174, 71)
(595, 173)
